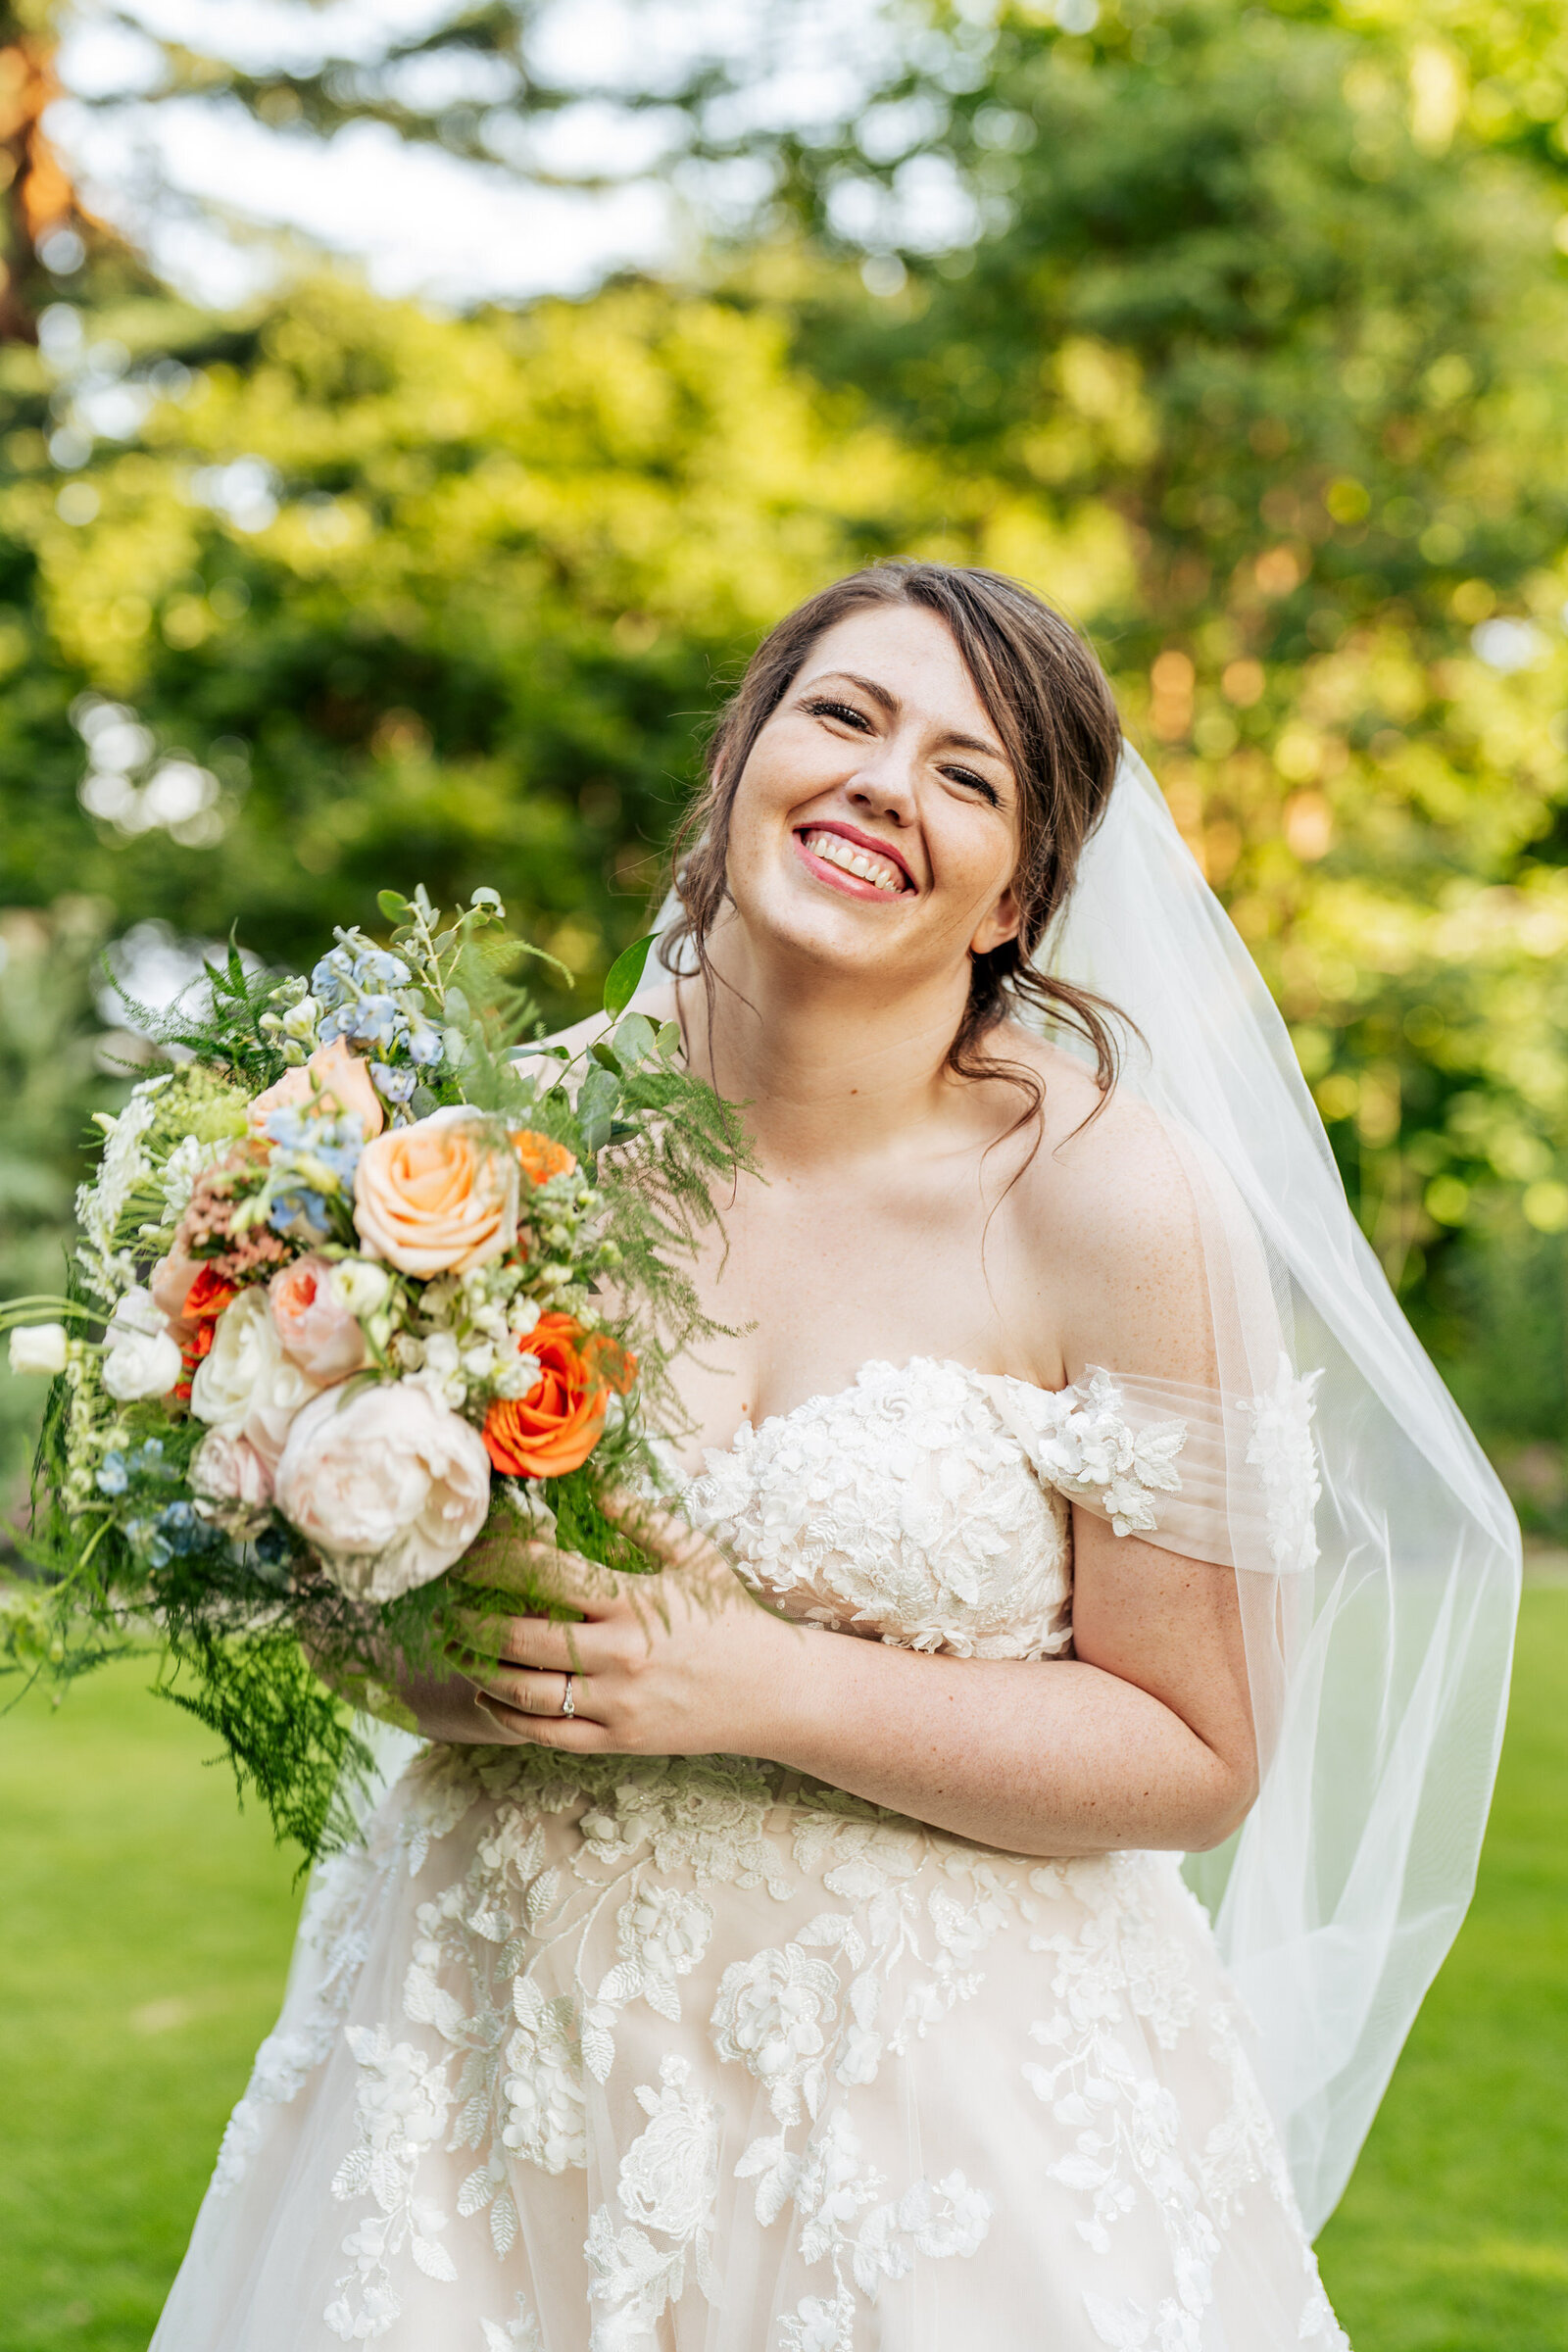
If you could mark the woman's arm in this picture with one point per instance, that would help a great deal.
(1143, 1740)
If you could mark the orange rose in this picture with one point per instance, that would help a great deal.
(556, 1427)
(541, 1157)
(209, 1294)
(331, 1073)
(204, 1301)
(436, 1197)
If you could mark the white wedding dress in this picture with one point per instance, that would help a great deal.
(695, 2055)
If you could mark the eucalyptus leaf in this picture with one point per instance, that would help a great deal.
(634, 1040)
(668, 1038)
(623, 976)
(393, 905)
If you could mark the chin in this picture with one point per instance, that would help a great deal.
(848, 936)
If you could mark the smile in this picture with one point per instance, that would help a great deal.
(881, 875)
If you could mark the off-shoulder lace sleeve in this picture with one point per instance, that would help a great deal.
(1229, 1480)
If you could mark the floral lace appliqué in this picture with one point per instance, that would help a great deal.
(1281, 1450)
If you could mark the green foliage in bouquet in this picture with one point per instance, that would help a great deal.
(373, 1286)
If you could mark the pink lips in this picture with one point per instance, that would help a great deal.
(850, 884)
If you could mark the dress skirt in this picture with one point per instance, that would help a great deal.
(693, 2055)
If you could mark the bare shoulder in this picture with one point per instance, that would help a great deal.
(659, 1004)
(1107, 1213)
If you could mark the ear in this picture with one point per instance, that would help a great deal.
(997, 927)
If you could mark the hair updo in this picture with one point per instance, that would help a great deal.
(1051, 706)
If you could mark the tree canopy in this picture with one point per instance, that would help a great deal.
(1250, 349)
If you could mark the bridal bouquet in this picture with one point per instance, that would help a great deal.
(363, 1298)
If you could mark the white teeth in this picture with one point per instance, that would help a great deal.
(834, 850)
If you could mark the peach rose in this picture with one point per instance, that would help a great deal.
(436, 1197)
(316, 1328)
(388, 1486)
(540, 1156)
(332, 1070)
(556, 1427)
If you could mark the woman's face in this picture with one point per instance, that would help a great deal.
(875, 822)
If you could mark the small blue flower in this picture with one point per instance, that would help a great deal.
(396, 1086)
(377, 1020)
(182, 1528)
(112, 1479)
(302, 1207)
(425, 1045)
(143, 1536)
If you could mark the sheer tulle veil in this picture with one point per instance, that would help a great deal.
(1376, 1555)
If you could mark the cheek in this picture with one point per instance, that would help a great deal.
(974, 856)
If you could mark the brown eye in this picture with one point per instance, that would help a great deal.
(845, 712)
(979, 784)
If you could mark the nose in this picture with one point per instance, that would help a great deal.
(883, 785)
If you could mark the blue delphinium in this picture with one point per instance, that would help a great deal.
(320, 1146)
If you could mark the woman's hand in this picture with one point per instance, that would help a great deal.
(681, 1663)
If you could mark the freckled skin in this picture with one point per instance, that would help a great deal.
(895, 1214)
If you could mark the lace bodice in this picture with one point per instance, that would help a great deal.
(926, 1506)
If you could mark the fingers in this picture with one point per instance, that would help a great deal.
(665, 1532)
(526, 1692)
(542, 1574)
(538, 1642)
(571, 1734)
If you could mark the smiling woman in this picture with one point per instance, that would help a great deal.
(820, 1977)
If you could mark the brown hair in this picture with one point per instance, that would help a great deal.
(1052, 705)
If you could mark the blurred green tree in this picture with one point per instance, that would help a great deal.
(363, 596)
(1242, 330)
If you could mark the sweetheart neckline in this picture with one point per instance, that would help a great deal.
(822, 1397)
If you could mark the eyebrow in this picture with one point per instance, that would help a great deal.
(888, 701)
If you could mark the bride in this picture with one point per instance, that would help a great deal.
(711, 1980)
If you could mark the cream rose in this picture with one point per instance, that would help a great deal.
(439, 1197)
(388, 1486)
(38, 1347)
(331, 1070)
(228, 1469)
(246, 1386)
(315, 1327)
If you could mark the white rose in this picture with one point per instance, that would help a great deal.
(228, 1469)
(360, 1287)
(246, 1386)
(387, 1485)
(139, 1364)
(38, 1347)
(136, 1310)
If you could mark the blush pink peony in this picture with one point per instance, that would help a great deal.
(315, 1328)
(390, 1487)
(331, 1070)
(226, 1468)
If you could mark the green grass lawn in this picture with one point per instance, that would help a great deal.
(147, 1928)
